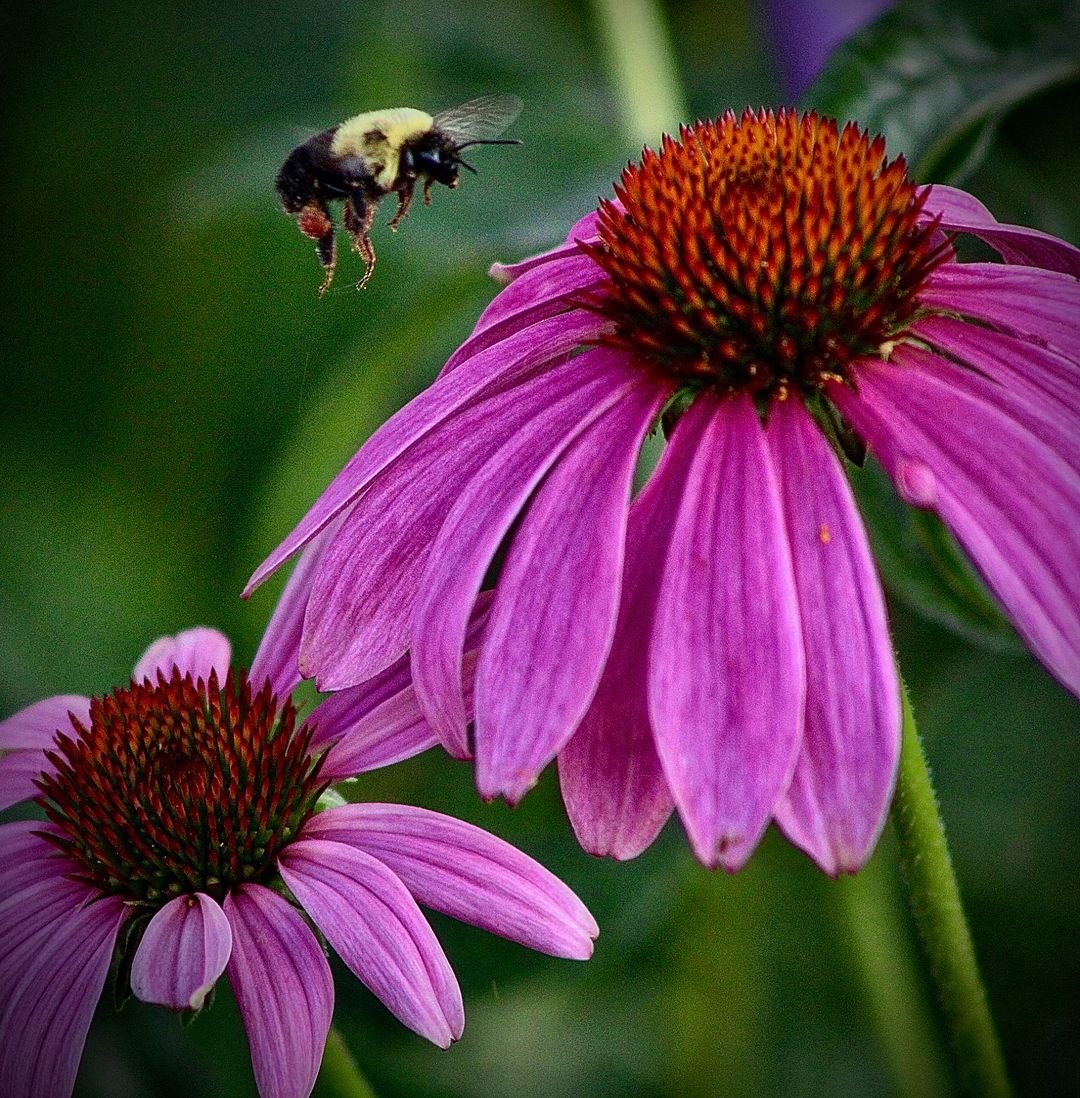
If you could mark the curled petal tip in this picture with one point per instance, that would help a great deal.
(459, 751)
(847, 863)
(455, 1028)
(729, 852)
(327, 681)
(512, 790)
(916, 482)
(588, 944)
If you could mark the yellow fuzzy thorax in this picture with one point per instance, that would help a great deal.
(377, 137)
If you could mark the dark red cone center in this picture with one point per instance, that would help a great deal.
(179, 786)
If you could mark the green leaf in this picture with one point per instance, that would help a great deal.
(127, 944)
(922, 564)
(936, 79)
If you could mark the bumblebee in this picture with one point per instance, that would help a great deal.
(365, 158)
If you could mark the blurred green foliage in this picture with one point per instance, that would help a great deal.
(176, 396)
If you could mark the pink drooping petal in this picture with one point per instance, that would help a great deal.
(613, 785)
(962, 212)
(35, 727)
(1024, 301)
(18, 772)
(839, 795)
(28, 923)
(1035, 402)
(51, 985)
(510, 273)
(585, 228)
(582, 229)
(278, 657)
(363, 598)
(557, 599)
(1011, 501)
(338, 712)
(395, 730)
(543, 291)
(462, 871)
(560, 308)
(183, 951)
(283, 987)
(507, 273)
(374, 924)
(35, 891)
(573, 396)
(500, 366)
(1042, 379)
(352, 712)
(24, 737)
(727, 681)
(196, 652)
(26, 859)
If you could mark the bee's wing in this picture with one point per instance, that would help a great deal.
(480, 119)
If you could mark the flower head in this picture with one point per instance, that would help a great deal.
(184, 831)
(180, 786)
(761, 256)
(772, 289)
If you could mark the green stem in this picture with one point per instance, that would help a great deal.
(939, 916)
(643, 70)
(878, 937)
(339, 1076)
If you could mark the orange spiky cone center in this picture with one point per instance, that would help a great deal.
(763, 253)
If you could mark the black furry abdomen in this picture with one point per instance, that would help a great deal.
(311, 171)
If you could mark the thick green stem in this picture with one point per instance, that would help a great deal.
(643, 69)
(939, 916)
(879, 939)
(339, 1076)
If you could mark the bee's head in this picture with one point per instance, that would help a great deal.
(438, 157)
(435, 156)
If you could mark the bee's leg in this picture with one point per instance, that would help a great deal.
(428, 184)
(359, 216)
(314, 222)
(404, 198)
(326, 250)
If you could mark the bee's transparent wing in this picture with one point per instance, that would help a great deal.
(480, 119)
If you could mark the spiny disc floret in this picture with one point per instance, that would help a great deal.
(763, 252)
(179, 786)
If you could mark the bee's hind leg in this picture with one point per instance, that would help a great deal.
(326, 250)
(358, 217)
(315, 223)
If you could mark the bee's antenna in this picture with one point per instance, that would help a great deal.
(493, 141)
(466, 164)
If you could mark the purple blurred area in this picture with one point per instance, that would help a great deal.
(802, 33)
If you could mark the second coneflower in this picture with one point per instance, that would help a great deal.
(185, 839)
(774, 287)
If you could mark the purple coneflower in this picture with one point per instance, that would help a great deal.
(770, 287)
(185, 837)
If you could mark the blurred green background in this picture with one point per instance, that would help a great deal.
(176, 396)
